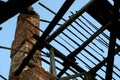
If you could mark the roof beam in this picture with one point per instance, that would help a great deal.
(112, 42)
(11, 8)
(79, 49)
(98, 66)
(110, 61)
(57, 17)
(68, 22)
(64, 58)
(76, 52)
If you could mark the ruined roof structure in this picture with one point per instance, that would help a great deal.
(64, 40)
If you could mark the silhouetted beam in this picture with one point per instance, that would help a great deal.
(59, 62)
(10, 9)
(75, 66)
(112, 42)
(41, 41)
(44, 60)
(102, 13)
(72, 76)
(76, 52)
(102, 63)
(3, 77)
(0, 28)
(64, 58)
(79, 49)
(110, 61)
(52, 62)
(57, 17)
(64, 26)
(68, 22)
(46, 21)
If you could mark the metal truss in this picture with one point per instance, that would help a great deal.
(83, 43)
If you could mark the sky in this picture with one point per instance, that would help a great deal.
(8, 31)
(8, 28)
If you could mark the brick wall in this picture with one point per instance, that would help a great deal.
(24, 41)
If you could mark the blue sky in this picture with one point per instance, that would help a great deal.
(8, 30)
(7, 36)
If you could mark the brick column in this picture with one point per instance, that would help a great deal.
(24, 41)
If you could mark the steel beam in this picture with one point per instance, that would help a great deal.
(110, 61)
(112, 42)
(52, 62)
(44, 60)
(64, 58)
(57, 17)
(64, 27)
(68, 22)
(102, 63)
(88, 76)
(3, 77)
(75, 66)
(76, 52)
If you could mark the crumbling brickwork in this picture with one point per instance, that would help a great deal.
(24, 41)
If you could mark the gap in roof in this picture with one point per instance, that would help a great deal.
(111, 2)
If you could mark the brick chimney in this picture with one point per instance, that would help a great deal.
(23, 43)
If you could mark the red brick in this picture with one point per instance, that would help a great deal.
(24, 41)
